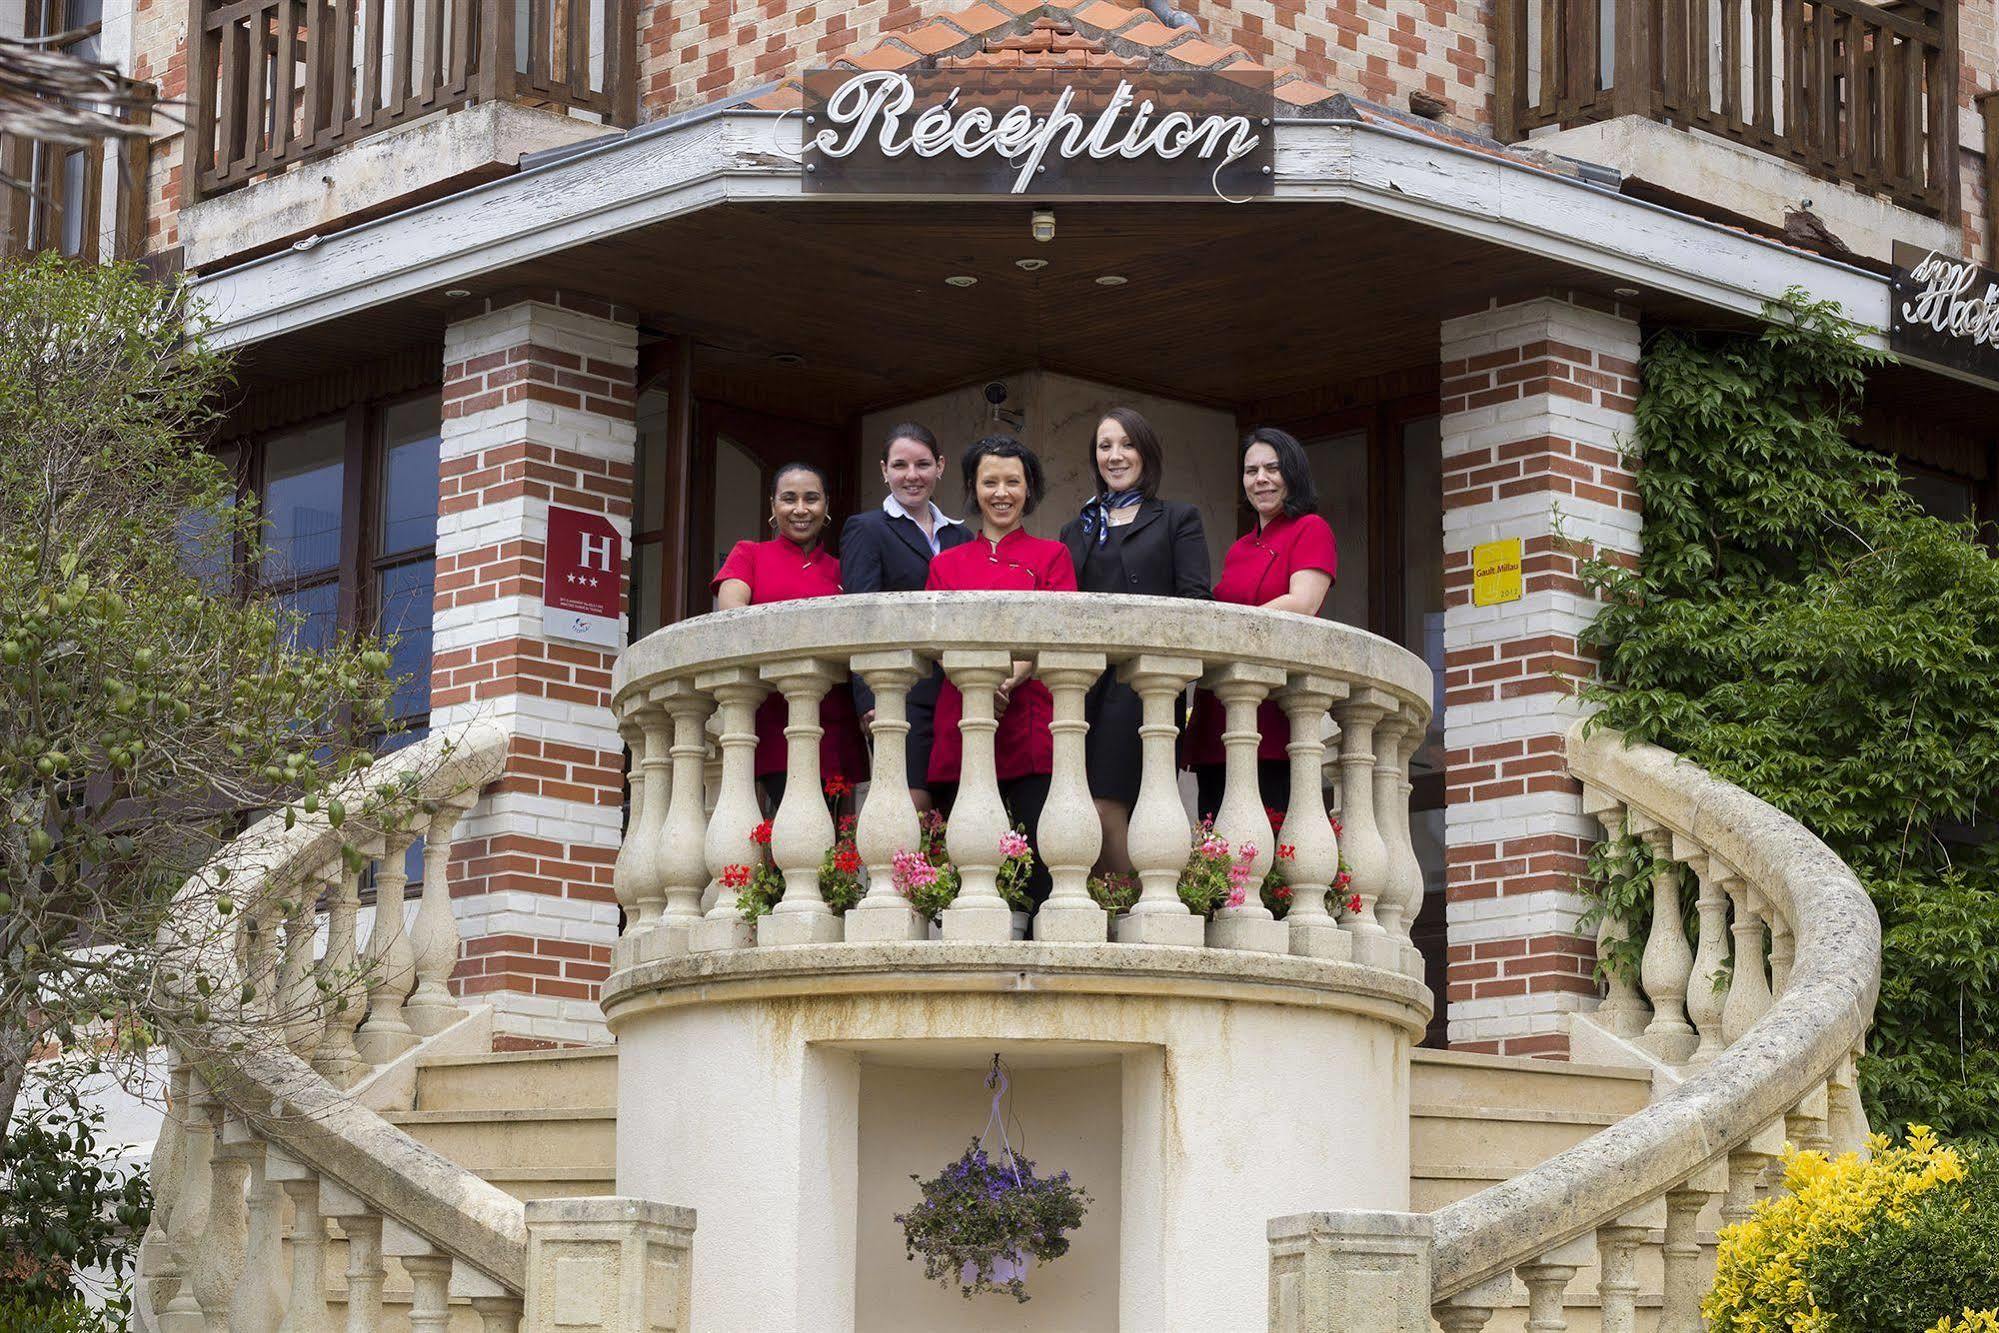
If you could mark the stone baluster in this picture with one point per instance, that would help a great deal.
(385, 1034)
(888, 822)
(362, 1226)
(429, 1270)
(634, 861)
(1402, 845)
(178, 1310)
(1667, 961)
(978, 818)
(1747, 1167)
(156, 1263)
(259, 1299)
(1846, 1119)
(655, 768)
(1748, 988)
(431, 1007)
(1704, 987)
(1617, 1276)
(1783, 946)
(1684, 1280)
(1159, 839)
(1470, 1310)
(341, 980)
(305, 1306)
(1807, 1124)
(498, 1314)
(1366, 851)
(1308, 831)
(1242, 688)
(264, 959)
(680, 864)
(737, 692)
(1070, 836)
(304, 1014)
(1391, 820)
(1547, 1281)
(218, 1259)
(802, 829)
(1623, 1009)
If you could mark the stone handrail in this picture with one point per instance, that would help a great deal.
(679, 852)
(1771, 1061)
(260, 1102)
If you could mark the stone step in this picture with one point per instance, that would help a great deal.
(530, 1080)
(519, 1139)
(1458, 1078)
(1505, 1138)
(551, 1182)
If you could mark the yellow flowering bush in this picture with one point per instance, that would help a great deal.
(1971, 1321)
(1761, 1281)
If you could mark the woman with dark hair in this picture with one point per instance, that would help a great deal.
(1004, 478)
(1128, 540)
(890, 550)
(1287, 562)
(793, 564)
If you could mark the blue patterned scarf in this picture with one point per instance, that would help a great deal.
(1097, 512)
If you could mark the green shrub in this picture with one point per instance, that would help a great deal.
(1939, 1257)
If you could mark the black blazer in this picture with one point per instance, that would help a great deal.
(884, 552)
(1165, 551)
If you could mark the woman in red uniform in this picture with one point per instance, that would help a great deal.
(791, 565)
(1286, 563)
(1005, 479)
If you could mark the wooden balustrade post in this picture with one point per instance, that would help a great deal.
(978, 817)
(1315, 853)
(1159, 839)
(496, 74)
(649, 823)
(680, 862)
(1070, 836)
(737, 692)
(1241, 820)
(634, 858)
(342, 983)
(1361, 840)
(888, 822)
(431, 1008)
(803, 828)
(391, 961)
(1748, 987)
(1547, 1280)
(1622, 1009)
(1668, 962)
(1634, 75)
(1704, 993)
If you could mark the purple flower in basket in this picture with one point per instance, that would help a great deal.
(980, 1221)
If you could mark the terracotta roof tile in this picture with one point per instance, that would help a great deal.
(1103, 14)
(1199, 53)
(1017, 7)
(1151, 33)
(787, 97)
(932, 38)
(1302, 92)
(980, 18)
(886, 57)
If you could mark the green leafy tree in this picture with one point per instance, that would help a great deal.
(147, 707)
(1797, 625)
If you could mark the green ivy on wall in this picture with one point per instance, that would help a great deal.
(1798, 626)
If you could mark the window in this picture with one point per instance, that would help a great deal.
(349, 505)
(57, 208)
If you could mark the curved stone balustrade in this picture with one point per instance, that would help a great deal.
(670, 687)
(1771, 1060)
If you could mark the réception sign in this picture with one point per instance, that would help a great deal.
(1038, 132)
(1945, 311)
(583, 574)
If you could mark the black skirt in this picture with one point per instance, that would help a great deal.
(1112, 754)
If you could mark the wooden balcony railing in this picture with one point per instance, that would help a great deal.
(294, 79)
(1853, 92)
(54, 195)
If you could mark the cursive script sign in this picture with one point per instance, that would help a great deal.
(1037, 132)
(1945, 311)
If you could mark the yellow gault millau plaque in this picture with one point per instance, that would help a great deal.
(1495, 572)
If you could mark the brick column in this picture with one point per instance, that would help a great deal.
(538, 410)
(1537, 408)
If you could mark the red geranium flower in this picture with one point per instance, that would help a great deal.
(760, 835)
(735, 877)
(838, 786)
(1286, 852)
(846, 860)
(1353, 903)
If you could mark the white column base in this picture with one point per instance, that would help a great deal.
(1377, 950)
(978, 925)
(1072, 925)
(1413, 963)
(378, 1048)
(799, 928)
(1181, 928)
(1323, 939)
(887, 922)
(711, 935)
(1259, 934)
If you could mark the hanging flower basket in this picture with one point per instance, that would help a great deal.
(980, 1219)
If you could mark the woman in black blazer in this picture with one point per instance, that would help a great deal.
(888, 550)
(1128, 540)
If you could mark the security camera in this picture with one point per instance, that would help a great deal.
(996, 393)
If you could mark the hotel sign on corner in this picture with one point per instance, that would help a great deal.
(1944, 311)
(1039, 132)
(583, 574)
(1495, 572)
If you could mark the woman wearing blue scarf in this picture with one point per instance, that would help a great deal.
(1128, 540)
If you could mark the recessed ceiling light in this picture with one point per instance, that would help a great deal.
(1624, 291)
(787, 359)
(457, 293)
(962, 280)
(1031, 265)
(1112, 280)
